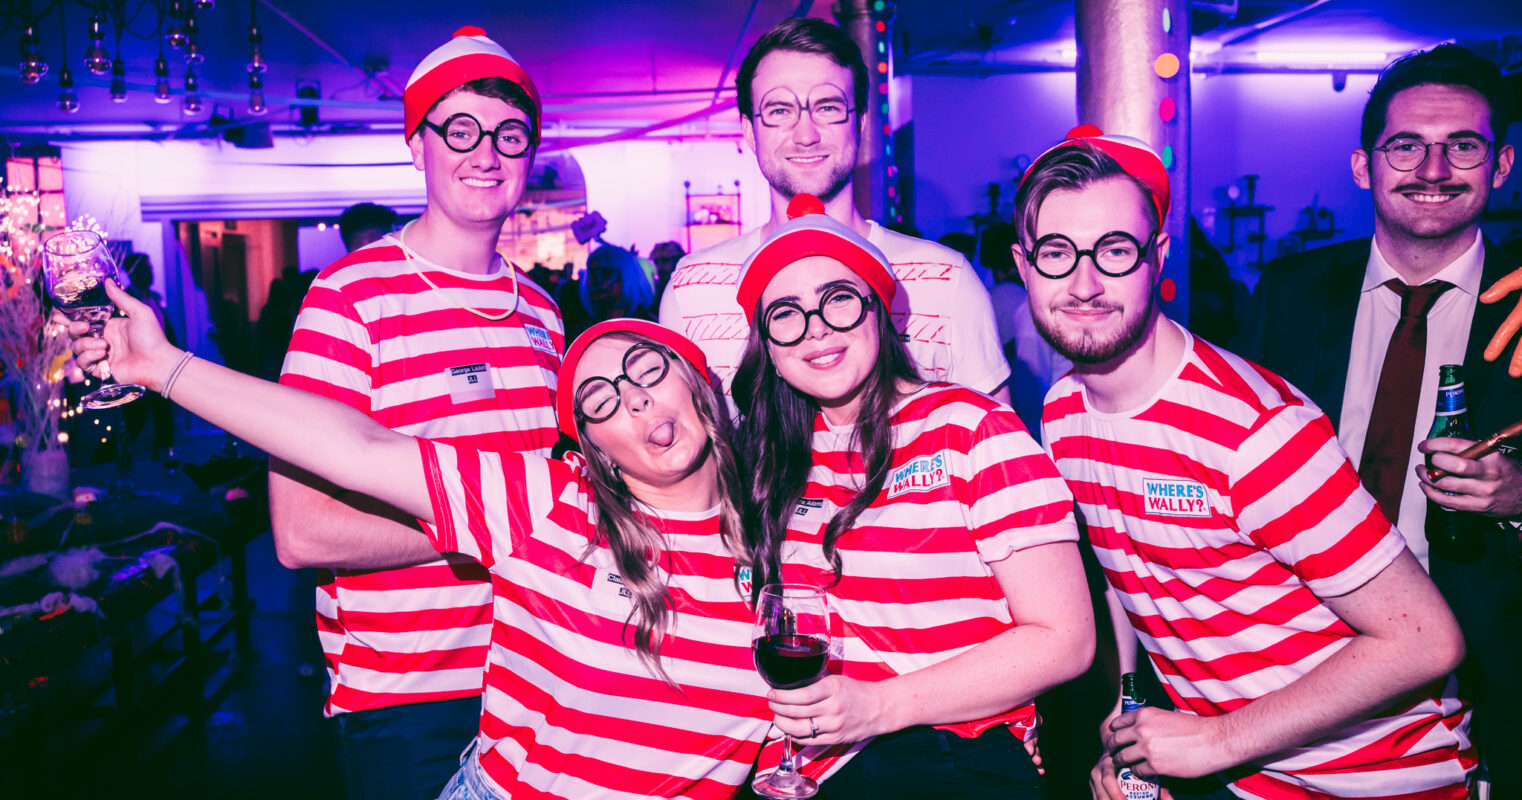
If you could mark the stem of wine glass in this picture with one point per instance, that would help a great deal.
(787, 769)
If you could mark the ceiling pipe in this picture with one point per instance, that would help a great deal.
(384, 82)
(1230, 36)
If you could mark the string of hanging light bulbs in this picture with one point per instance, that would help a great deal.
(177, 25)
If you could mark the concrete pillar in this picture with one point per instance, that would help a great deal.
(859, 19)
(1121, 91)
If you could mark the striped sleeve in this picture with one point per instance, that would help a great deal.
(1014, 498)
(480, 498)
(1297, 495)
(328, 354)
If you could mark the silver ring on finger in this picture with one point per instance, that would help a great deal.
(813, 729)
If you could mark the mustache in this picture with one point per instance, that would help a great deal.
(1079, 305)
(1454, 188)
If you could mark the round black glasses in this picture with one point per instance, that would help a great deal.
(645, 365)
(1116, 254)
(463, 133)
(842, 308)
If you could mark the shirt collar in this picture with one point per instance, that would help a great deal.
(1463, 272)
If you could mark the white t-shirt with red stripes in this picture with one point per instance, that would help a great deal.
(967, 487)
(1221, 510)
(375, 336)
(942, 309)
(570, 710)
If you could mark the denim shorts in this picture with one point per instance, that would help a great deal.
(470, 782)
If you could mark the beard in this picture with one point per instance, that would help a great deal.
(1086, 348)
(833, 185)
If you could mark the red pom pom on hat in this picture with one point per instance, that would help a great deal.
(468, 55)
(804, 204)
(813, 233)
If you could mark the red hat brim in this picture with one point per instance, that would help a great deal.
(565, 394)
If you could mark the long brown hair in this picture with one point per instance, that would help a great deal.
(776, 437)
(623, 520)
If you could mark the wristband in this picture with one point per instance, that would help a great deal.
(174, 374)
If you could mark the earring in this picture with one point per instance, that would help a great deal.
(618, 474)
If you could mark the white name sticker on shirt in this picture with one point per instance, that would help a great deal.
(470, 382)
(540, 340)
(920, 475)
(808, 507)
(1169, 497)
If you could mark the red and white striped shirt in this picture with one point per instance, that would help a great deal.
(570, 710)
(1221, 510)
(375, 336)
(967, 487)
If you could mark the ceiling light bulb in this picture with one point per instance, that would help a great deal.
(118, 81)
(68, 100)
(161, 92)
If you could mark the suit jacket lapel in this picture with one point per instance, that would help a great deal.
(1477, 373)
(1334, 333)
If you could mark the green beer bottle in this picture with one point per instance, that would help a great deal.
(1449, 533)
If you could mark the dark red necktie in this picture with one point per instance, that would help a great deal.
(1392, 424)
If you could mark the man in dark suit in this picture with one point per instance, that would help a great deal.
(1361, 327)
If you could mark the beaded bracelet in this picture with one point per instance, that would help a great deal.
(174, 374)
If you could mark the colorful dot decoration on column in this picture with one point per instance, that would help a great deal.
(1166, 66)
(1167, 109)
(1167, 21)
(1167, 290)
(1168, 156)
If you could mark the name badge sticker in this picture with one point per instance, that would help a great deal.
(1171, 497)
(809, 507)
(610, 596)
(921, 474)
(470, 383)
(540, 340)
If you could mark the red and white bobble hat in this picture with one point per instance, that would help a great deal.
(565, 397)
(1134, 156)
(466, 57)
(809, 232)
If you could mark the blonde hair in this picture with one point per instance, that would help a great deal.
(623, 523)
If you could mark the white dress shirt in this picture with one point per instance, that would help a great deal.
(1447, 339)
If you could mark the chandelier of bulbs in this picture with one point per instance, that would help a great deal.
(177, 26)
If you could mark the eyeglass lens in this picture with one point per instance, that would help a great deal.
(463, 133)
(644, 366)
(1116, 253)
(1462, 153)
(786, 323)
(781, 108)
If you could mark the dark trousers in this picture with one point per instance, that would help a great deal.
(1486, 597)
(405, 752)
(926, 763)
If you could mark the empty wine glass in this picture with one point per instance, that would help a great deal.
(791, 645)
(75, 266)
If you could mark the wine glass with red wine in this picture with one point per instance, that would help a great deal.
(75, 266)
(791, 645)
